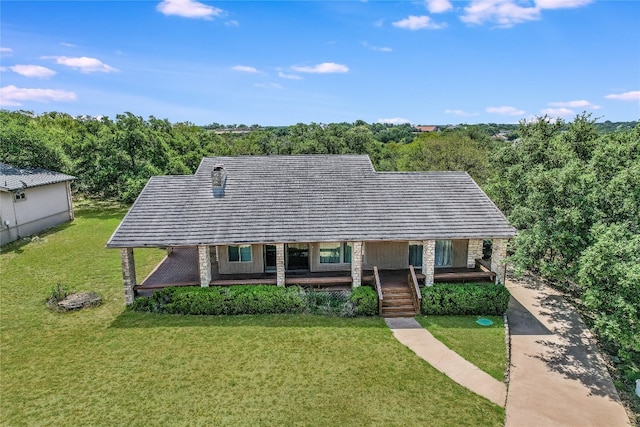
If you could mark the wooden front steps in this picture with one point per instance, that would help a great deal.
(397, 301)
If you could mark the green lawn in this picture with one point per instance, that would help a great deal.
(108, 366)
(475, 343)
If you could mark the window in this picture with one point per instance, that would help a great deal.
(240, 253)
(335, 253)
(444, 250)
(415, 255)
(19, 196)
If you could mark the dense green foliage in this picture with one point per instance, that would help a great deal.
(574, 195)
(466, 298)
(365, 300)
(259, 299)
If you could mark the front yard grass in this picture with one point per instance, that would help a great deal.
(108, 366)
(473, 342)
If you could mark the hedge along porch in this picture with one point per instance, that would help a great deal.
(290, 215)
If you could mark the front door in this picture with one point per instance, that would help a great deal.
(269, 258)
(297, 256)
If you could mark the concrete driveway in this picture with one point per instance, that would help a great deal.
(557, 376)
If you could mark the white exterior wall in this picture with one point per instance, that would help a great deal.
(44, 207)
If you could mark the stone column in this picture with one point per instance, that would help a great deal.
(128, 274)
(280, 264)
(474, 251)
(204, 265)
(356, 264)
(498, 254)
(428, 261)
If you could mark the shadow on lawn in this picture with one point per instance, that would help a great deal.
(130, 319)
(17, 245)
(570, 350)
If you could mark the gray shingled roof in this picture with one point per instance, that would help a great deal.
(14, 178)
(308, 199)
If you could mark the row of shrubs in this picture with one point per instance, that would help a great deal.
(441, 298)
(469, 298)
(261, 299)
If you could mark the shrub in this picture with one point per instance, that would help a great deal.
(329, 303)
(261, 299)
(58, 293)
(365, 300)
(469, 298)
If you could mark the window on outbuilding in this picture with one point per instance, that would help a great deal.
(240, 253)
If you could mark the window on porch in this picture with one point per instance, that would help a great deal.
(444, 254)
(240, 253)
(335, 253)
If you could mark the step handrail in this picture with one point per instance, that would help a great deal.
(415, 289)
(378, 287)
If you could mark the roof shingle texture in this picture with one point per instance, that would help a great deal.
(308, 198)
(14, 178)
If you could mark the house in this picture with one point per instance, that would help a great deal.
(282, 217)
(32, 200)
(419, 129)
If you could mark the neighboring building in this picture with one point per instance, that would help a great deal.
(283, 215)
(419, 129)
(32, 200)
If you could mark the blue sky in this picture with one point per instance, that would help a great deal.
(285, 62)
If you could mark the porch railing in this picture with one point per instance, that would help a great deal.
(415, 289)
(378, 286)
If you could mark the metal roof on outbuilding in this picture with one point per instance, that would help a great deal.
(308, 198)
(15, 178)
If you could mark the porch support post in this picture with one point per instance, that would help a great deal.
(474, 251)
(428, 261)
(204, 265)
(498, 254)
(128, 274)
(280, 264)
(356, 264)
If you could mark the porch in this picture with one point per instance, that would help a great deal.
(180, 268)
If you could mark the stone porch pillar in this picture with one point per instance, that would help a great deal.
(204, 265)
(498, 254)
(474, 251)
(280, 264)
(356, 264)
(428, 261)
(128, 274)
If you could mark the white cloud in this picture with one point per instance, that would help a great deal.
(83, 64)
(394, 121)
(188, 9)
(627, 96)
(460, 113)
(3, 68)
(558, 112)
(414, 23)
(561, 4)
(378, 23)
(244, 69)
(232, 23)
(438, 6)
(324, 68)
(268, 86)
(377, 48)
(6, 51)
(33, 71)
(289, 76)
(68, 44)
(505, 110)
(576, 104)
(15, 96)
(505, 13)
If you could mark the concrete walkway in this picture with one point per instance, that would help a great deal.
(557, 377)
(410, 333)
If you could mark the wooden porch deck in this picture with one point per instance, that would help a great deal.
(180, 268)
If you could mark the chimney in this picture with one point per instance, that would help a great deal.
(218, 180)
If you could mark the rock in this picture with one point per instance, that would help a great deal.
(80, 300)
